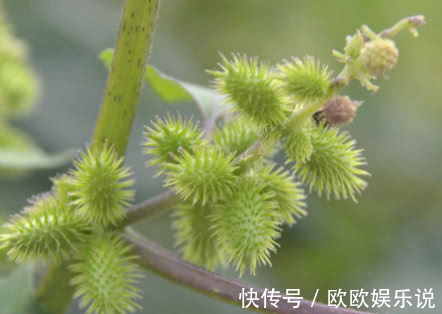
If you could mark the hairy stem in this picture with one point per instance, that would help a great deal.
(150, 207)
(172, 268)
(116, 116)
(411, 22)
(125, 80)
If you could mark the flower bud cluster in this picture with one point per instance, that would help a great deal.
(368, 55)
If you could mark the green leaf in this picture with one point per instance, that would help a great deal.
(35, 159)
(210, 103)
(17, 293)
(168, 88)
(173, 90)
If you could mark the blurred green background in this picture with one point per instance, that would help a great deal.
(390, 239)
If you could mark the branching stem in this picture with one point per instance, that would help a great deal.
(150, 207)
(411, 22)
(170, 267)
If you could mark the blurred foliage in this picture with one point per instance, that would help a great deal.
(390, 239)
(18, 93)
(17, 293)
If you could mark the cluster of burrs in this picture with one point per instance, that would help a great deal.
(77, 223)
(234, 198)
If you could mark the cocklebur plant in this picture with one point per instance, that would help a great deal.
(305, 81)
(166, 136)
(298, 102)
(105, 274)
(236, 136)
(99, 187)
(193, 238)
(230, 199)
(73, 222)
(245, 225)
(250, 87)
(44, 231)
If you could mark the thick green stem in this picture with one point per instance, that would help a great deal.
(126, 74)
(115, 119)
